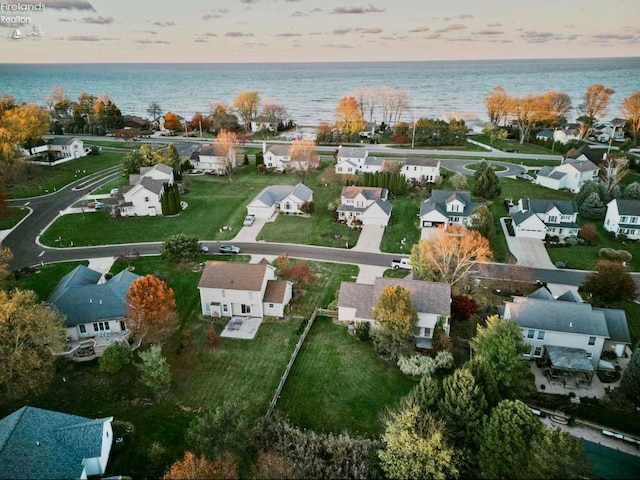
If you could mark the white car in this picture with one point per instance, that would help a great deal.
(248, 220)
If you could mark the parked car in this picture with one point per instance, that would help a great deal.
(248, 220)
(114, 192)
(204, 249)
(524, 177)
(99, 206)
(401, 263)
(229, 249)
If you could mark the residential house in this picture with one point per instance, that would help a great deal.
(368, 131)
(470, 119)
(571, 174)
(277, 157)
(230, 289)
(142, 197)
(95, 312)
(545, 135)
(263, 123)
(446, 207)
(431, 300)
(283, 198)
(41, 444)
(565, 322)
(207, 160)
(623, 217)
(56, 150)
(420, 170)
(604, 131)
(350, 160)
(367, 205)
(566, 134)
(537, 218)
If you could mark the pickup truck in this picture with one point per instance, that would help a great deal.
(401, 263)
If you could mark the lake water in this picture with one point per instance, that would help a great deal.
(310, 91)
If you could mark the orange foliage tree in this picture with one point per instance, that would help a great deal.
(226, 147)
(150, 307)
(630, 108)
(449, 254)
(246, 104)
(298, 273)
(496, 103)
(172, 122)
(348, 116)
(192, 467)
(594, 103)
(303, 157)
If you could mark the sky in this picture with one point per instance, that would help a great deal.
(74, 31)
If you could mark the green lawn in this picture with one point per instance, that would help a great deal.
(38, 180)
(511, 145)
(632, 309)
(338, 383)
(497, 168)
(106, 188)
(114, 144)
(403, 225)
(43, 280)
(11, 217)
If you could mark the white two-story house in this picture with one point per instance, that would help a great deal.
(420, 170)
(537, 218)
(230, 289)
(623, 216)
(350, 160)
(278, 158)
(367, 205)
(142, 197)
(431, 300)
(446, 207)
(567, 325)
(571, 175)
(207, 160)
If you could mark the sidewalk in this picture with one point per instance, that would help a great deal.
(530, 252)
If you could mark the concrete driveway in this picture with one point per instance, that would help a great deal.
(370, 238)
(529, 252)
(249, 234)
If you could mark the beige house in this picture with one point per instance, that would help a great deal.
(367, 205)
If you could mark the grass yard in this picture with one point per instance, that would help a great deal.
(632, 310)
(402, 226)
(396, 273)
(338, 383)
(114, 144)
(106, 188)
(511, 145)
(497, 168)
(38, 179)
(11, 217)
(43, 280)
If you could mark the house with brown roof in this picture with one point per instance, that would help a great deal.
(231, 289)
(367, 205)
(432, 301)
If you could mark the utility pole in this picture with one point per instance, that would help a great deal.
(200, 123)
(413, 135)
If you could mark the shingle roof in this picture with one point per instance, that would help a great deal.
(386, 207)
(62, 141)
(439, 199)
(545, 171)
(558, 175)
(541, 294)
(276, 193)
(352, 152)
(160, 167)
(519, 217)
(370, 193)
(592, 154)
(424, 162)
(358, 296)
(278, 150)
(616, 324)
(152, 185)
(426, 297)
(37, 443)
(582, 165)
(233, 276)
(83, 300)
(628, 207)
(539, 205)
(274, 293)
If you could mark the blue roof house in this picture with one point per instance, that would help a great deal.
(37, 443)
(95, 312)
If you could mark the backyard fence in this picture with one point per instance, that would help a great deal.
(292, 360)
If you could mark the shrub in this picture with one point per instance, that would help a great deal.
(419, 365)
(463, 306)
(362, 330)
(614, 255)
(213, 338)
(115, 357)
(571, 240)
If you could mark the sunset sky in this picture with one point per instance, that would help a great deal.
(308, 30)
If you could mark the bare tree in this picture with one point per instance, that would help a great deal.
(226, 147)
(55, 95)
(554, 107)
(303, 157)
(595, 102)
(399, 102)
(275, 112)
(612, 172)
(154, 110)
(367, 99)
(497, 104)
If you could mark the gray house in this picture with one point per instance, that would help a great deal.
(37, 443)
(95, 312)
(446, 207)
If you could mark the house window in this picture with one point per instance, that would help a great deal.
(246, 308)
(251, 296)
(531, 333)
(633, 219)
(552, 219)
(100, 326)
(537, 352)
(271, 305)
(623, 219)
(589, 356)
(146, 199)
(82, 328)
(540, 334)
(123, 327)
(592, 341)
(224, 307)
(223, 293)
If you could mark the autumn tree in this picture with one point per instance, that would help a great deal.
(416, 446)
(226, 146)
(463, 306)
(29, 334)
(200, 122)
(172, 157)
(630, 108)
(276, 114)
(348, 117)
(199, 467)
(222, 119)
(497, 105)
(273, 465)
(150, 307)
(458, 181)
(299, 273)
(6, 255)
(449, 254)
(246, 104)
(394, 311)
(589, 232)
(499, 346)
(482, 222)
(595, 102)
(524, 110)
(154, 110)
(172, 122)
(553, 107)
(303, 157)
(55, 95)
(495, 133)
(609, 283)
(612, 173)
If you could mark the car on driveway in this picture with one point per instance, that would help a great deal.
(248, 220)
(524, 177)
(229, 249)
(204, 249)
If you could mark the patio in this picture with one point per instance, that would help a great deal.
(244, 328)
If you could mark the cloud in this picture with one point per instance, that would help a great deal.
(455, 26)
(490, 25)
(420, 29)
(288, 35)
(356, 10)
(215, 13)
(488, 32)
(238, 34)
(65, 19)
(292, 1)
(373, 30)
(255, 44)
(299, 14)
(459, 39)
(249, 1)
(164, 24)
(200, 40)
(464, 15)
(341, 31)
(88, 38)
(612, 36)
(98, 20)
(151, 32)
(337, 45)
(316, 10)
(65, 4)
(433, 36)
(540, 37)
(152, 42)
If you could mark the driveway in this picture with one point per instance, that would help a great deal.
(529, 252)
(370, 238)
(249, 234)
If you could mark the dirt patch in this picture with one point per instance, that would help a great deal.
(334, 236)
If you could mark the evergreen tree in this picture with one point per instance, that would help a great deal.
(593, 207)
(630, 382)
(164, 200)
(487, 184)
(482, 222)
(632, 191)
(154, 369)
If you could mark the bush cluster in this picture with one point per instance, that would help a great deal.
(419, 365)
